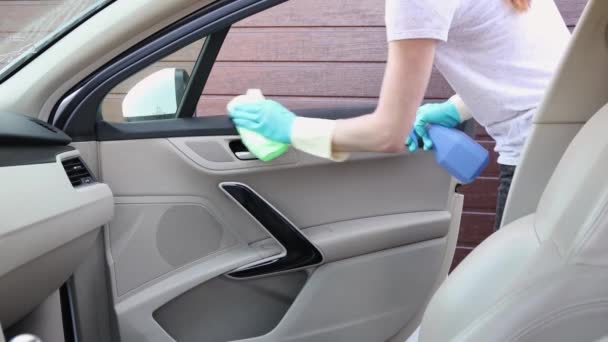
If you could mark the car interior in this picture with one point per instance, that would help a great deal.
(150, 223)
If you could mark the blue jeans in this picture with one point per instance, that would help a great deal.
(505, 177)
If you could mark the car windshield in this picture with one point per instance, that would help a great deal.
(28, 27)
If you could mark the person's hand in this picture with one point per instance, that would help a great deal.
(444, 114)
(268, 118)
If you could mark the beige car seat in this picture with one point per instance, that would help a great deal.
(544, 277)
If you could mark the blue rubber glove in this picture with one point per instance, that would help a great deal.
(268, 118)
(444, 114)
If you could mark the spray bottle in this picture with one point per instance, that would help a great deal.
(458, 153)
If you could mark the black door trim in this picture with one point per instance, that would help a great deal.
(68, 311)
(200, 72)
(219, 125)
(299, 251)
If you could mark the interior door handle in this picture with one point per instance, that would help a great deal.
(25, 338)
(299, 251)
(245, 155)
(240, 150)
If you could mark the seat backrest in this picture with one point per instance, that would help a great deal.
(543, 277)
(572, 210)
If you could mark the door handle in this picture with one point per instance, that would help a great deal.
(245, 155)
(240, 150)
(25, 338)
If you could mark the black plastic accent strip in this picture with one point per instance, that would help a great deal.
(202, 126)
(68, 316)
(300, 252)
(78, 118)
(181, 83)
(170, 128)
(17, 129)
(200, 72)
(15, 155)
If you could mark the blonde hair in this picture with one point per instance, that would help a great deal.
(521, 5)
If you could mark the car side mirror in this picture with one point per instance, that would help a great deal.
(157, 96)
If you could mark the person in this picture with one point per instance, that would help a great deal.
(498, 55)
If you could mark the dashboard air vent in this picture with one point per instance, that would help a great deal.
(77, 172)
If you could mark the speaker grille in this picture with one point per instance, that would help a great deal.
(187, 233)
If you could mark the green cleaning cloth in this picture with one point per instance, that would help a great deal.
(261, 147)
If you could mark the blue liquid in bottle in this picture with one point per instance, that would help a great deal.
(458, 153)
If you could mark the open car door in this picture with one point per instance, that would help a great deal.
(209, 244)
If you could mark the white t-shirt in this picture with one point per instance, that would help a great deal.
(498, 60)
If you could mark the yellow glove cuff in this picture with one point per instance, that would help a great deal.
(463, 110)
(314, 136)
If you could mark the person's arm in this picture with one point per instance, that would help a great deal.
(405, 81)
(413, 29)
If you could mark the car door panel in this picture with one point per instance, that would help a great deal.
(187, 230)
(215, 154)
(367, 298)
(381, 222)
(174, 263)
(384, 226)
(212, 309)
(399, 184)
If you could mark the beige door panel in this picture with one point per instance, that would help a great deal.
(347, 239)
(379, 293)
(146, 241)
(185, 230)
(135, 310)
(174, 229)
(341, 191)
(214, 154)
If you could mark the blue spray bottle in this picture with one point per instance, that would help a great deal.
(458, 153)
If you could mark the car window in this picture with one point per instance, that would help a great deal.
(28, 27)
(155, 92)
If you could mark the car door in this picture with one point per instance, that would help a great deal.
(209, 244)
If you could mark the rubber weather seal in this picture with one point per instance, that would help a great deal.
(68, 312)
(201, 71)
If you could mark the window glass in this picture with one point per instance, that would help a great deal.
(155, 92)
(26, 27)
